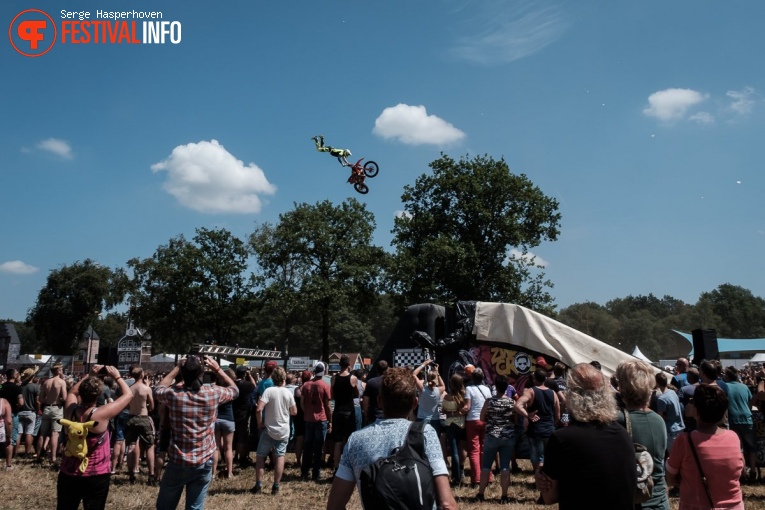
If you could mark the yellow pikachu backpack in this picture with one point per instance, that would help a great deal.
(77, 444)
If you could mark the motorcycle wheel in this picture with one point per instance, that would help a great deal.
(361, 188)
(371, 168)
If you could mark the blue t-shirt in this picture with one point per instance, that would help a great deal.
(739, 397)
(262, 387)
(668, 405)
(367, 445)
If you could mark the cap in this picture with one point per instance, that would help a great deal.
(270, 365)
(319, 369)
(469, 370)
(542, 363)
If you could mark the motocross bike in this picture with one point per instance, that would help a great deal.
(359, 175)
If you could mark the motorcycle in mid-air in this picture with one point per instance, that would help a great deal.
(360, 173)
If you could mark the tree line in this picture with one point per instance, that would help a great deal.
(314, 282)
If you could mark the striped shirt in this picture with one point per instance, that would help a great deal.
(192, 421)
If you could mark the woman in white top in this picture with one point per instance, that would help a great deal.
(475, 429)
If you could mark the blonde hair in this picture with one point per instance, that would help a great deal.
(432, 378)
(636, 382)
(588, 395)
(278, 376)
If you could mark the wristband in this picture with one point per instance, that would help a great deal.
(117, 379)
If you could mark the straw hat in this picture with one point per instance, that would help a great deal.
(28, 373)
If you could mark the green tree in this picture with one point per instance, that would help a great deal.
(189, 291)
(592, 319)
(317, 261)
(466, 234)
(71, 300)
(741, 314)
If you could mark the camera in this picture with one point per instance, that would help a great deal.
(103, 371)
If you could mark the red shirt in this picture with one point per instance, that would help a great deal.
(313, 395)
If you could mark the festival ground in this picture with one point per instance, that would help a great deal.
(28, 486)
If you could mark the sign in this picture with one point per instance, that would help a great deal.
(299, 363)
(240, 361)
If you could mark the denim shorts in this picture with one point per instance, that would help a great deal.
(225, 426)
(538, 445)
(491, 445)
(267, 443)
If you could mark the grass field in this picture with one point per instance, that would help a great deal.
(29, 486)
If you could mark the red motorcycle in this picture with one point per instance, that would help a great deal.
(359, 175)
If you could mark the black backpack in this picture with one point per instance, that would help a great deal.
(403, 480)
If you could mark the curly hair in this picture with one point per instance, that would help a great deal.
(588, 395)
(398, 392)
(90, 389)
(636, 382)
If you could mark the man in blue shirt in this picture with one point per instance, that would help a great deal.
(399, 398)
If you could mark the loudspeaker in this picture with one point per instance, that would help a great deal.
(704, 345)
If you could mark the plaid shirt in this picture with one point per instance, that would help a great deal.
(192, 420)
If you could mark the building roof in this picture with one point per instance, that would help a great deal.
(354, 358)
(728, 345)
(8, 330)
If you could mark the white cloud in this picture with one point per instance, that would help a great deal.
(412, 125)
(672, 104)
(742, 101)
(529, 257)
(17, 267)
(205, 177)
(507, 31)
(702, 118)
(55, 146)
(403, 214)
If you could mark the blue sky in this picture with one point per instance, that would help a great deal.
(644, 119)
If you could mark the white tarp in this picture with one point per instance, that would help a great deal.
(758, 358)
(519, 326)
(639, 355)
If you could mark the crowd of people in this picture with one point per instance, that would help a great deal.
(199, 421)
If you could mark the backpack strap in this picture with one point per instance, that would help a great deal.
(627, 422)
(415, 438)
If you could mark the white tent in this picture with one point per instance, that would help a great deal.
(519, 326)
(26, 359)
(163, 358)
(758, 358)
(639, 355)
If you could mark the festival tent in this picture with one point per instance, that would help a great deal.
(758, 358)
(639, 355)
(26, 359)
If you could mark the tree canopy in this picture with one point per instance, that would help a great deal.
(71, 300)
(190, 291)
(318, 262)
(466, 232)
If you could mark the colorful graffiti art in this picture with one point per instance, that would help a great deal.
(514, 363)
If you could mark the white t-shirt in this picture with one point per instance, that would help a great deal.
(477, 396)
(276, 413)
